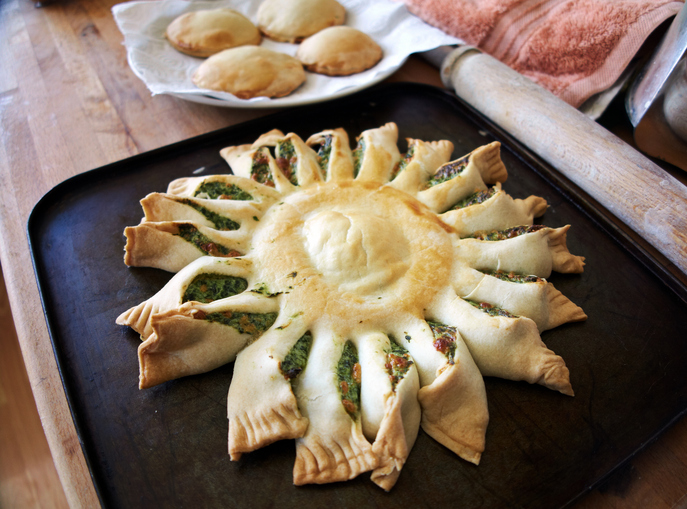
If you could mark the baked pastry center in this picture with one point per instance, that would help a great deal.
(355, 251)
(362, 294)
(358, 238)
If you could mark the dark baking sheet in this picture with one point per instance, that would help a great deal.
(166, 446)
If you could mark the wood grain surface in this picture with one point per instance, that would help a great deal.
(27, 474)
(69, 103)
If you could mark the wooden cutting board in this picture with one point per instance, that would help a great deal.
(167, 446)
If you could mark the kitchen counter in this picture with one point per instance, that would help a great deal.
(70, 103)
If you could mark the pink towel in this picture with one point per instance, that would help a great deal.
(574, 48)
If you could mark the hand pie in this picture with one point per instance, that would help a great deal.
(362, 294)
(294, 20)
(250, 71)
(206, 32)
(339, 51)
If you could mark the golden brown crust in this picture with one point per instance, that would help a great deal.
(339, 51)
(263, 425)
(499, 212)
(160, 245)
(427, 156)
(506, 347)
(304, 162)
(380, 153)
(333, 447)
(159, 207)
(206, 32)
(562, 260)
(454, 409)
(170, 297)
(324, 458)
(537, 253)
(182, 345)
(481, 166)
(397, 433)
(390, 410)
(487, 158)
(250, 71)
(186, 342)
(261, 406)
(294, 20)
(340, 160)
(538, 300)
(190, 187)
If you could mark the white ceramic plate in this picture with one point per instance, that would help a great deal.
(164, 70)
(294, 99)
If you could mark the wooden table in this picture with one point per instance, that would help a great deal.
(70, 103)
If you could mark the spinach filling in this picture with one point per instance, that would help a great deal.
(398, 363)
(287, 160)
(348, 377)
(324, 153)
(448, 171)
(260, 168)
(475, 199)
(254, 324)
(220, 222)
(510, 233)
(210, 287)
(444, 339)
(262, 289)
(191, 234)
(490, 309)
(221, 191)
(358, 155)
(515, 278)
(295, 361)
(405, 160)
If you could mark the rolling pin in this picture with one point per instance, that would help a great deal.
(638, 192)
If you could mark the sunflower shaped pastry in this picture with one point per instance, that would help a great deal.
(362, 294)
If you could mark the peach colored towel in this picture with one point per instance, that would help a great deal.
(574, 48)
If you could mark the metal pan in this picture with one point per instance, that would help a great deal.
(166, 446)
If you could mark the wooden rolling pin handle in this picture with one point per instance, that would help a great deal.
(641, 194)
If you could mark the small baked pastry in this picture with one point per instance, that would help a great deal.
(206, 32)
(294, 20)
(339, 51)
(250, 71)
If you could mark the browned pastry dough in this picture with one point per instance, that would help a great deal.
(339, 51)
(500, 210)
(206, 32)
(250, 71)
(261, 406)
(294, 20)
